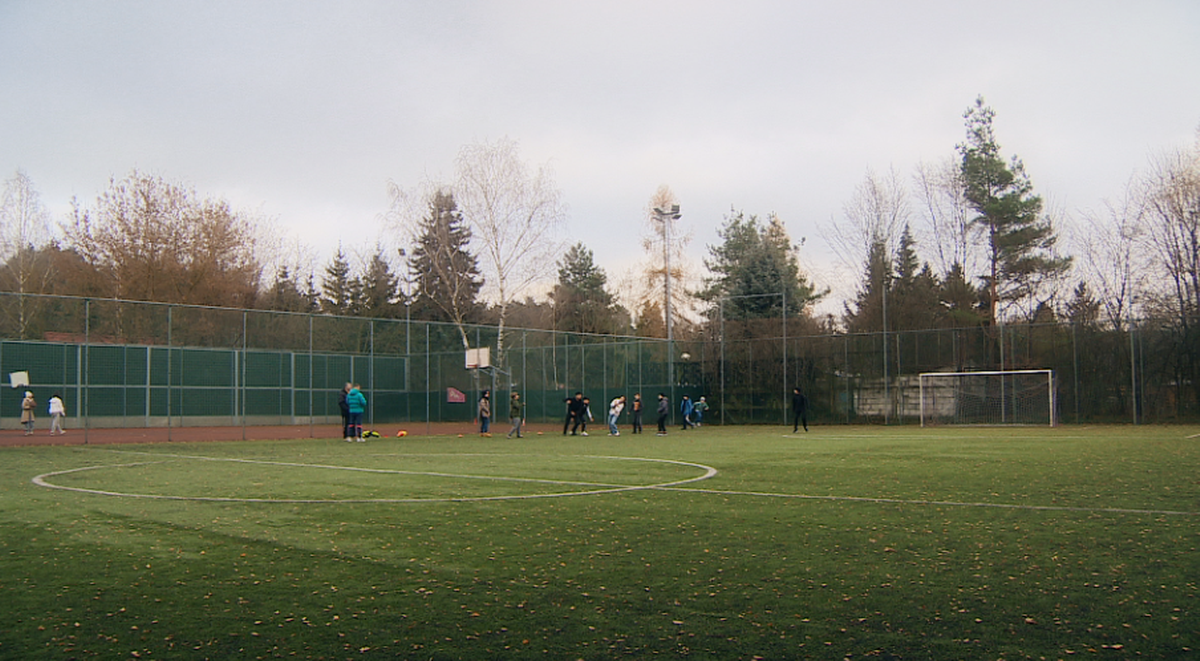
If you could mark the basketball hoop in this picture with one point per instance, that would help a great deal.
(478, 358)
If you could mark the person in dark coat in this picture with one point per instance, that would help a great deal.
(799, 410)
(664, 409)
(637, 413)
(345, 408)
(575, 413)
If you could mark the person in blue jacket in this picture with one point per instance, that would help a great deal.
(685, 407)
(356, 402)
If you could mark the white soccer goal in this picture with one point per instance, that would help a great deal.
(1010, 397)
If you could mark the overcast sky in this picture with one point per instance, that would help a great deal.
(305, 110)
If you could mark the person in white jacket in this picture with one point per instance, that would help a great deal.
(614, 412)
(57, 411)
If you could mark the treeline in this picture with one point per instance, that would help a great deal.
(966, 243)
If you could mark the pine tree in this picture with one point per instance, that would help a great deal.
(963, 305)
(915, 289)
(285, 294)
(341, 292)
(444, 270)
(582, 304)
(380, 289)
(1020, 239)
(870, 310)
(754, 268)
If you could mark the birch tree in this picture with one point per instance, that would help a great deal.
(24, 231)
(515, 213)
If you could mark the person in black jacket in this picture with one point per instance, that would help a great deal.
(799, 410)
(575, 412)
(345, 408)
(664, 409)
(637, 413)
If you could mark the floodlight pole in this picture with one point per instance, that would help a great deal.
(407, 334)
(1133, 393)
(666, 217)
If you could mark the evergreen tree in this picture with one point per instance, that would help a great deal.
(752, 266)
(963, 305)
(914, 297)
(444, 270)
(341, 292)
(650, 320)
(1020, 239)
(870, 312)
(380, 289)
(1083, 309)
(582, 304)
(285, 294)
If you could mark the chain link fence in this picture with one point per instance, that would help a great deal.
(137, 364)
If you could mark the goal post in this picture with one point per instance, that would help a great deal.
(1004, 397)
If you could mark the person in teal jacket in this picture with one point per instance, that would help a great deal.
(357, 403)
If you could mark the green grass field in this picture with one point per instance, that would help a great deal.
(885, 542)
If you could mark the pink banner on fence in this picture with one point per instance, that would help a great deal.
(455, 396)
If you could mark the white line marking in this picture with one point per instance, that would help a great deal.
(943, 503)
(599, 488)
(709, 472)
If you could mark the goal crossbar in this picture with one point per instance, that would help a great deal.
(995, 397)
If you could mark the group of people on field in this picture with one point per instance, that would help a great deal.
(579, 413)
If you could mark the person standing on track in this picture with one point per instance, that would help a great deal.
(57, 411)
(516, 413)
(356, 402)
(485, 413)
(28, 416)
(664, 409)
(799, 410)
(345, 408)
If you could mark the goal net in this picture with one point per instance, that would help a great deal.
(1013, 397)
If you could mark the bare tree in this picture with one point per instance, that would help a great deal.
(948, 227)
(153, 240)
(24, 230)
(874, 216)
(514, 213)
(1173, 222)
(868, 234)
(1111, 242)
